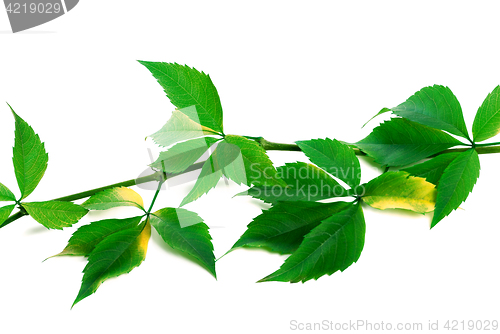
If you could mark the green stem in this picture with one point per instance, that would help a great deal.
(480, 148)
(488, 144)
(270, 146)
(153, 177)
(160, 183)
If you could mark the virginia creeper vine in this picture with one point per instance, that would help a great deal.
(426, 169)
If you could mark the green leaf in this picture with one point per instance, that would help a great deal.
(180, 127)
(245, 161)
(209, 177)
(399, 190)
(185, 231)
(305, 182)
(401, 142)
(456, 183)
(432, 169)
(333, 245)
(55, 214)
(115, 255)
(186, 87)
(382, 111)
(5, 212)
(6, 194)
(282, 228)
(182, 155)
(111, 198)
(334, 157)
(436, 107)
(30, 159)
(84, 240)
(487, 121)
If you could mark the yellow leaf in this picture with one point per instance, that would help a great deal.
(399, 190)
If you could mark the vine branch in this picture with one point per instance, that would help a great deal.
(159, 176)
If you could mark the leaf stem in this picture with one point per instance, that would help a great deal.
(153, 177)
(480, 148)
(160, 183)
(270, 146)
(488, 144)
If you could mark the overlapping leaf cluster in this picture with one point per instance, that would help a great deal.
(325, 237)
(113, 246)
(116, 246)
(196, 126)
(419, 134)
(316, 215)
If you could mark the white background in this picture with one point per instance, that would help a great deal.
(284, 70)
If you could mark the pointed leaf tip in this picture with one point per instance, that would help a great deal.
(185, 231)
(456, 184)
(436, 107)
(117, 254)
(29, 157)
(382, 111)
(487, 121)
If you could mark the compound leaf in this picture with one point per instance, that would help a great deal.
(30, 159)
(110, 198)
(186, 87)
(334, 157)
(456, 183)
(399, 190)
(487, 121)
(180, 127)
(6, 194)
(182, 155)
(432, 169)
(282, 228)
(185, 231)
(437, 107)
(306, 182)
(115, 255)
(333, 245)
(5, 212)
(84, 240)
(401, 142)
(55, 214)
